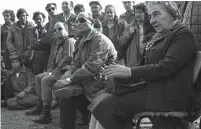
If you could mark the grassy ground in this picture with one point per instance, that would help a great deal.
(17, 120)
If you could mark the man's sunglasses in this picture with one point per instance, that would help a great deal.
(59, 29)
(81, 20)
(51, 9)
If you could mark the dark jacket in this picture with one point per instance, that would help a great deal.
(19, 42)
(95, 51)
(25, 81)
(119, 27)
(168, 70)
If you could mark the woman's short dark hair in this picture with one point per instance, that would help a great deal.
(79, 8)
(35, 14)
(11, 12)
(20, 11)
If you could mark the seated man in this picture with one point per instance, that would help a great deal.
(95, 50)
(61, 54)
(20, 86)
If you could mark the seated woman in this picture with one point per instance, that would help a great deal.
(133, 41)
(20, 88)
(167, 70)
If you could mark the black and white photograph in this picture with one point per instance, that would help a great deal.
(109, 64)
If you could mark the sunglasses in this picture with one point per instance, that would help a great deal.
(81, 20)
(59, 29)
(51, 9)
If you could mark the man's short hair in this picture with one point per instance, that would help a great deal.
(49, 4)
(11, 12)
(35, 14)
(20, 11)
(79, 7)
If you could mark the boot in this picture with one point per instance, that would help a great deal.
(45, 117)
(36, 110)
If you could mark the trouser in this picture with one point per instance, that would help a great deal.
(40, 61)
(47, 86)
(38, 80)
(68, 108)
(116, 112)
(28, 101)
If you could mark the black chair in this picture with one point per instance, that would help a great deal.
(174, 119)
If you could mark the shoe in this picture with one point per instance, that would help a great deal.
(37, 110)
(45, 117)
(54, 104)
(68, 91)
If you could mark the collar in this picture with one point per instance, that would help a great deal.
(21, 70)
(90, 35)
(127, 13)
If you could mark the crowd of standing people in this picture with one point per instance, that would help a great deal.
(78, 60)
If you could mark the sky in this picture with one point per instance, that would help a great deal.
(39, 5)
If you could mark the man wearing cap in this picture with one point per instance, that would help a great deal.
(129, 15)
(20, 87)
(95, 50)
(18, 40)
(96, 11)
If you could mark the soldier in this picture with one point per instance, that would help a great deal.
(20, 87)
(9, 17)
(129, 15)
(96, 11)
(18, 40)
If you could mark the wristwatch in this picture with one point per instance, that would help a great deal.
(68, 80)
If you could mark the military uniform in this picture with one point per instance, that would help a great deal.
(22, 80)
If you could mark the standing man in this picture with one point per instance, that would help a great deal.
(18, 40)
(51, 10)
(96, 11)
(129, 15)
(66, 16)
(9, 18)
(40, 51)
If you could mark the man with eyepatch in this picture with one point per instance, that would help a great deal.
(61, 54)
(51, 10)
(95, 50)
(129, 15)
(96, 11)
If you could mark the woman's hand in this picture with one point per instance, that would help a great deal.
(117, 71)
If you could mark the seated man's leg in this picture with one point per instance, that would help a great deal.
(116, 112)
(29, 101)
(46, 85)
(67, 110)
(39, 106)
(13, 104)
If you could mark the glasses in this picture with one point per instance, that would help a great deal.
(81, 20)
(51, 9)
(59, 29)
